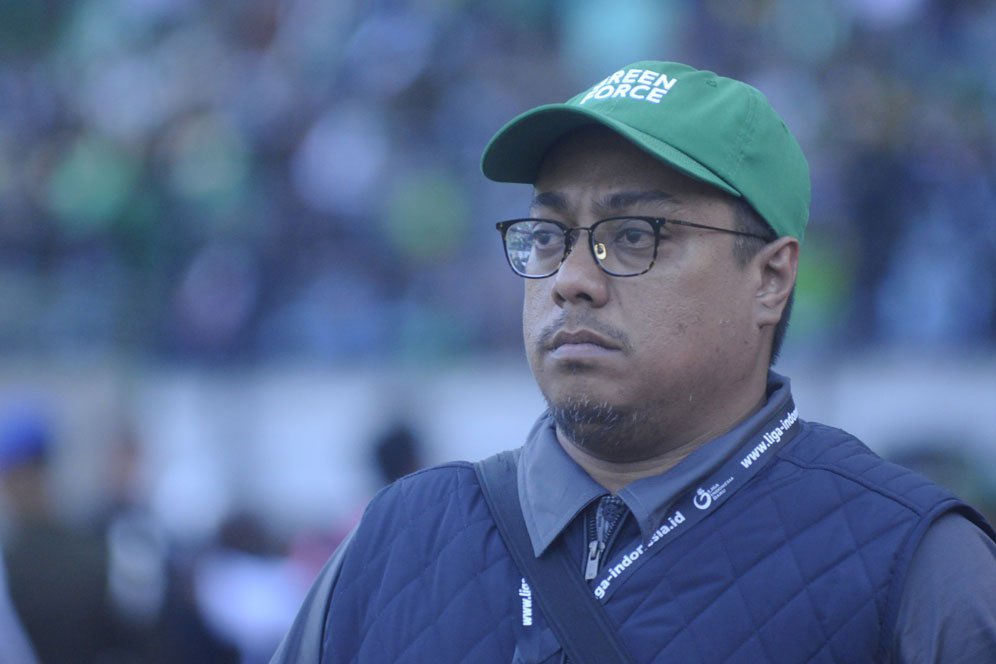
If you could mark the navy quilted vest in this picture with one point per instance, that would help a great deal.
(803, 564)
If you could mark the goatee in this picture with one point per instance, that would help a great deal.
(601, 429)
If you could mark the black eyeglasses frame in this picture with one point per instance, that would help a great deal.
(570, 232)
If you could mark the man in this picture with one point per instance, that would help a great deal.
(710, 522)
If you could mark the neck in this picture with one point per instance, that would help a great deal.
(615, 474)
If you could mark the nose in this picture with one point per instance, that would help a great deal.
(580, 279)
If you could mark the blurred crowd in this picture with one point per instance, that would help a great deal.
(119, 588)
(270, 180)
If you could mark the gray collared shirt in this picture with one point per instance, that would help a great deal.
(553, 489)
(948, 607)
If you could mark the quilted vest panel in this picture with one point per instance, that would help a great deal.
(426, 577)
(804, 563)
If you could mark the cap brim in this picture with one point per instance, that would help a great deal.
(515, 153)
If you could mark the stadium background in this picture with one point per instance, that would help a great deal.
(251, 237)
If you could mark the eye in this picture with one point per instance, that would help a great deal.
(633, 235)
(543, 238)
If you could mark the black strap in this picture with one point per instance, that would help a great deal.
(580, 623)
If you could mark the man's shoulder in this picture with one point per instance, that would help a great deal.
(825, 446)
(428, 507)
(449, 474)
(433, 488)
(827, 449)
(449, 470)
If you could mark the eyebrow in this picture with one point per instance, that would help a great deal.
(609, 204)
(550, 200)
(624, 199)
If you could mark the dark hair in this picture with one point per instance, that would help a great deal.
(747, 220)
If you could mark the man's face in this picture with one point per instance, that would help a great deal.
(633, 366)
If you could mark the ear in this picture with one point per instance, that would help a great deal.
(777, 264)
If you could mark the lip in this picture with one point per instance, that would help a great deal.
(580, 344)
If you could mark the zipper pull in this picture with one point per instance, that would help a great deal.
(595, 549)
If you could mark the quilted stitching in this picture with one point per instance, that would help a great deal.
(437, 513)
(795, 567)
(819, 523)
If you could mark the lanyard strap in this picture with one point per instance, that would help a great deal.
(750, 459)
(580, 623)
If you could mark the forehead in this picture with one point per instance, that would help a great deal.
(595, 160)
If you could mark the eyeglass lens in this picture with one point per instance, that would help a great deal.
(622, 247)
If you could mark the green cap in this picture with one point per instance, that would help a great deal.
(715, 129)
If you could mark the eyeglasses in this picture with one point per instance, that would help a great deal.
(621, 246)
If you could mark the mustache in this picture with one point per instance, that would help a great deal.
(586, 321)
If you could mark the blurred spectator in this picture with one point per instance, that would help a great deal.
(145, 574)
(246, 590)
(14, 645)
(137, 544)
(117, 592)
(57, 573)
(184, 634)
(398, 452)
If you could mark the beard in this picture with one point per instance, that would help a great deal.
(608, 432)
(603, 430)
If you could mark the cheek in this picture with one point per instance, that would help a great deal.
(670, 309)
(666, 335)
(533, 311)
(690, 322)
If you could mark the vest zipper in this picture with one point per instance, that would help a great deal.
(593, 560)
(596, 547)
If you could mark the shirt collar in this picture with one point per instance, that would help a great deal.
(553, 489)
